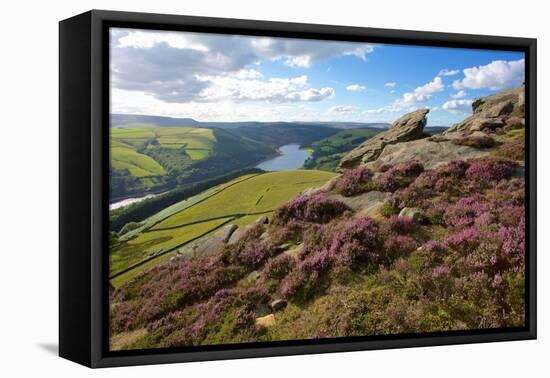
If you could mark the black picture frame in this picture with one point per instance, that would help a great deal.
(84, 186)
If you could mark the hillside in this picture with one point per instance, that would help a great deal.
(126, 120)
(149, 158)
(418, 234)
(239, 202)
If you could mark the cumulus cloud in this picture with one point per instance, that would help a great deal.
(181, 67)
(390, 84)
(447, 72)
(457, 106)
(273, 90)
(410, 100)
(459, 94)
(421, 94)
(356, 88)
(249, 74)
(132, 102)
(303, 53)
(341, 109)
(498, 74)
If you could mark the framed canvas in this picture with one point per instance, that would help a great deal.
(235, 188)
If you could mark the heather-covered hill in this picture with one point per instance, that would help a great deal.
(418, 234)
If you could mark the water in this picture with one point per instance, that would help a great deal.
(292, 157)
(129, 201)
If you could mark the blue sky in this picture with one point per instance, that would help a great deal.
(239, 78)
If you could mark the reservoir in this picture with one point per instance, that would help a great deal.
(292, 157)
(129, 201)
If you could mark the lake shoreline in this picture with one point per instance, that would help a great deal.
(290, 156)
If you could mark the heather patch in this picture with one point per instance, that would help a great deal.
(461, 268)
(354, 181)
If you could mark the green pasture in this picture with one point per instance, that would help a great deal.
(240, 201)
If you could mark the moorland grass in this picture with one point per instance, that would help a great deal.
(261, 193)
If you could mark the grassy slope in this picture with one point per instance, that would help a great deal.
(139, 165)
(198, 143)
(261, 193)
(147, 158)
(239, 201)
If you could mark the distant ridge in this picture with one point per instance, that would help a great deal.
(128, 119)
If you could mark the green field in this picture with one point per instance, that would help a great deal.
(239, 201)
(198, 143)
(124, 156)
(147, 158)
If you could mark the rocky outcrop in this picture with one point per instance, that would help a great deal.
(208, 245)
(366, 203)
(492, 112)
(265, 321)
(430, 153)
(413, 213)
(406, 128)
(278, 304)
(327, 187)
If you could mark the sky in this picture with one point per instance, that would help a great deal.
(214, 77)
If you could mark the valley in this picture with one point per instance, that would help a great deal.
(392, 230)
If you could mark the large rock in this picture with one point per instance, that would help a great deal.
(210, 244)
(262, 220)
(491, 112)
(294, 252)
(365, 203)
(327, 187)
(406, 128)
(278, 304)
(265, 321)
(429, 153)
(413, 213)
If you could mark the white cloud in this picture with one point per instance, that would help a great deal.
(421, 94)
(390, 84)
(341, 109)
(459, 94)
(410, 100)
(356, 88)
(249, 74)
(176, 67)
(273, 90)
(303, 53)
(447, 72)
(498, 74)
(135, 102)
(392, 91)
(142, 39)
(299, 61)
(457, 106)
